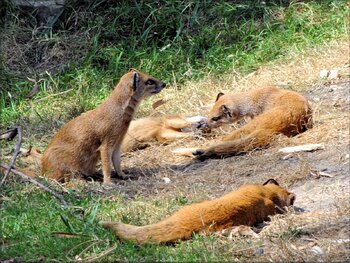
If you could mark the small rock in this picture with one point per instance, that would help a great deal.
(317, 250)
(166, 180)
(333, 74)
(288, 156)
(258, 252)
(324, 73)
(342, 241)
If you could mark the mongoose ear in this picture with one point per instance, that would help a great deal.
(271, 181)
(218, 96)
(132, 69)
(135, 80)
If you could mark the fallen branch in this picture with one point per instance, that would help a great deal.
(17, 151)
(28, 178)
(302, 148)
(53, 95)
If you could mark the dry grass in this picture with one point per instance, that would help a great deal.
(298, 71)
(318, 234)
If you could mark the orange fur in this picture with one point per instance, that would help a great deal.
(273, 111)
(97, 134)
(162, 129)
(249, 205)
(32, 158)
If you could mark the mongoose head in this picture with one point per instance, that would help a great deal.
(280, 196)
(144, 85)
(224, 111)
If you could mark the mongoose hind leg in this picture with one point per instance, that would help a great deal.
(172, 135)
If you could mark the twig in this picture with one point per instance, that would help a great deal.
(17, 151)
(99, 256)
(53, 95)
(28, 178)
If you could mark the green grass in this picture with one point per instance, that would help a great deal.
(28, 229)
(173, 41)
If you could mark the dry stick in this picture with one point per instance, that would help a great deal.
(17, 151)
(26, 177)
(99, 256)
(53, 95)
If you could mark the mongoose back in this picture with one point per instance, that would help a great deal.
(273, 111)
(249, 205)
(162, 129)
(97, 134)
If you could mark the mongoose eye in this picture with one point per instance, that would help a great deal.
(216, 118)
(150, 82)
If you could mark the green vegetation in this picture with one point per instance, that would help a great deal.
(74, 66)
(92, 45)
(42, 229)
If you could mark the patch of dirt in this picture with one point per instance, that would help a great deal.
(300, 172)
(318, 229)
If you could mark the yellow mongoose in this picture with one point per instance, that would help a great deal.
(163, 129)
(249, 205)
(98, 133)
(273, 111)
(141, 131)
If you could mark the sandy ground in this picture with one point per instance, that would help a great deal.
(297, 171)
(320, 180)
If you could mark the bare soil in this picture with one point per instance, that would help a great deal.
(297, 171)
(317, 229)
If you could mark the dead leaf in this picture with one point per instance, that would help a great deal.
(239, 231)
(33, 92)
(326, 174)
(31, 80)
(65, 235)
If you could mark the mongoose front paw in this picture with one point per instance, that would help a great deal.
(204, 126)
(202, 155)
(198, 152)
(124, 176)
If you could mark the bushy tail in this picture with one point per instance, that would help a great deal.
(162, 232)
(256, 140)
